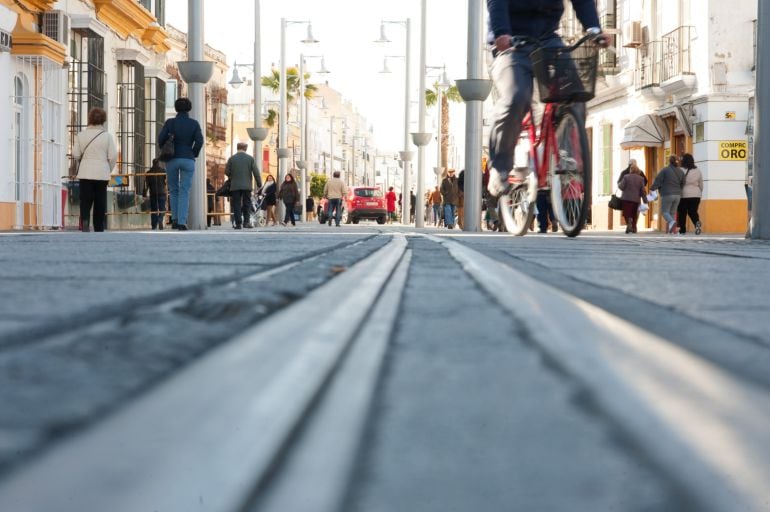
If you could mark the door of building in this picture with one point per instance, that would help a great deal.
(18, 151)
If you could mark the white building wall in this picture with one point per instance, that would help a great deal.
(6, 118)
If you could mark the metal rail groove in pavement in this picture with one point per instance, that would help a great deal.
(706, 427)
(211, 433)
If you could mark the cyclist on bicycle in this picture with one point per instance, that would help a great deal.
(513, 25)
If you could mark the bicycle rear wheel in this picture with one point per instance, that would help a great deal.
(570, 173)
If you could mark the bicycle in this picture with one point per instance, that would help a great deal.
(557, 152)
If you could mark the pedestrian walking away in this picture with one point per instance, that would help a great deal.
(334, 190)
(633, 193)
(435, 202)
(669, 182)
(545, 212)
(188, 142)
(510, 21)
(211, 203)
(390, 199)
(156, 187)
(243, 173)
(450, 194)
(95, 149)
(289, 194)
(269, 190)
(692, 190)
(310, 208)
(631, 165)
(461, 199)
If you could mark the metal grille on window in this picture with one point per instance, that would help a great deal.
(130, 133)
(86, 81)
(38, 149)
(155, 114)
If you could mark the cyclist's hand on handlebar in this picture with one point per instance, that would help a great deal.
(502, 43)
(602, 40)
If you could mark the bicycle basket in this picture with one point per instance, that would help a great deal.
(565, 76)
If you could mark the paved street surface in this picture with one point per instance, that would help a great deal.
(375, 368)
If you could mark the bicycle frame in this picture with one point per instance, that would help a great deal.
(546, 136)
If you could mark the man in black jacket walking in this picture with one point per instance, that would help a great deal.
(241, 168)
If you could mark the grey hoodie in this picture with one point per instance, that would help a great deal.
(669, 181)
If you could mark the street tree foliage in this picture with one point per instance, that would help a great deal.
(431, 97)
(273, 82)
(317, 184)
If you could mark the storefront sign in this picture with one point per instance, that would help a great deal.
(5, 41)
(733, 150)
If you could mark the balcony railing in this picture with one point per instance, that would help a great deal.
(648, 67)
(677, 53)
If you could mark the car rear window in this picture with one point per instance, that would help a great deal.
(368, 192)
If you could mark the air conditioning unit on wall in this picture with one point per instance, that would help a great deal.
(56, 25)
(632, 34)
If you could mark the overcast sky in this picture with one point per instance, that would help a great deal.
(346, 30)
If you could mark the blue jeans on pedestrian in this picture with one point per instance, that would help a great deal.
(335, 205)
(180, 172)
(449, 215)
(436, 214)
(668, 207)
(157, 204)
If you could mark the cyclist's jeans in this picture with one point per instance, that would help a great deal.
(512, 75)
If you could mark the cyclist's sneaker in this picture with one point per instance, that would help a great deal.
(498, 182)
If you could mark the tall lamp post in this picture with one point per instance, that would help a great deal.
(474, 90)
(197, 72)
(283, 151)
(257, 133)
(407, 23)
(760, 186)
(421, 137)
(303, 122)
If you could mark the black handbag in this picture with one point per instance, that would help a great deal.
(224, 190)
(615, 203)
(167, 150)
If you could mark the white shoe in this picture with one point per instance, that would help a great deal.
(498, 182)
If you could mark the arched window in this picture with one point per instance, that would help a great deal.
(18, 91)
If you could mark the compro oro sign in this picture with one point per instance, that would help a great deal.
(733, 149)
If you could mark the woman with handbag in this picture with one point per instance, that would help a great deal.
(632, 187)
(692, 190)
(269, 190)
(186, 137)
(97, 155)
(289, 194)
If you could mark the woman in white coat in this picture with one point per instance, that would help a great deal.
(95, 149)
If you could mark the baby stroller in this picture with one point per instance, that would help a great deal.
(258, 213)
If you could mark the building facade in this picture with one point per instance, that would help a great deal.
(681, 81)
(66, 58)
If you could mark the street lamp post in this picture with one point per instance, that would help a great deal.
(304, 124)
(421, 138)
(474, 90)
(283, 151)
(405, 199)
(197, 72)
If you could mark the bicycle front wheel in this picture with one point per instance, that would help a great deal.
(517, 207)
(570, 173)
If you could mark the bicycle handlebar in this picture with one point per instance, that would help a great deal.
(519, 41)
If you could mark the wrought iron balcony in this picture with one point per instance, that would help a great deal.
(648, 66)
(676, 59)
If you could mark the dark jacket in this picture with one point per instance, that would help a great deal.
(269, 189)
(241, 168)
(535, 18)
(188, 138)
(632, 186)
(289, 193)
(450, 190)
(669, 180)
(156, 184)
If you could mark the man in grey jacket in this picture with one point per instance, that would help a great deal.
(241, 168)
(669, 181)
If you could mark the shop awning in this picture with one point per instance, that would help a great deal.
(648, 130)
